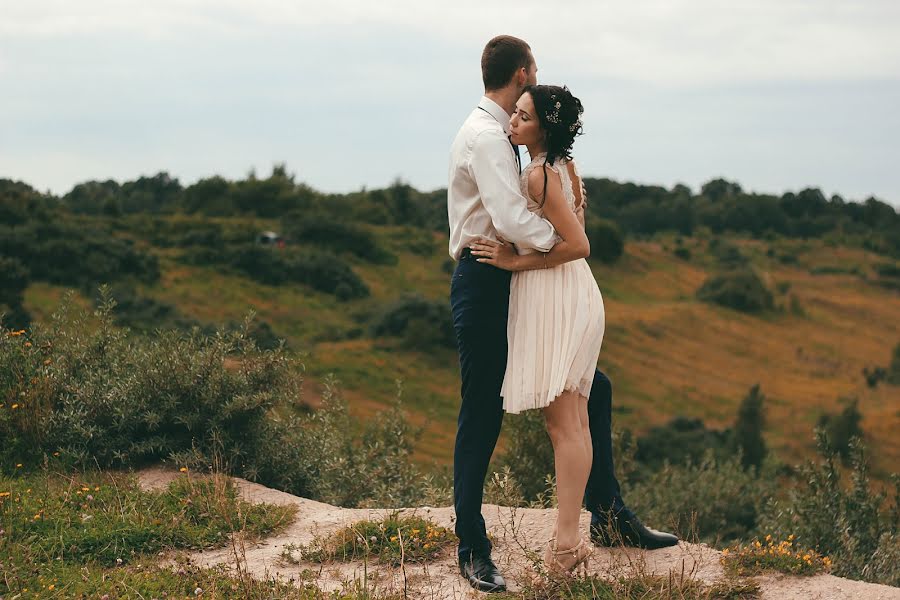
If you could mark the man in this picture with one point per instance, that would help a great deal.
(484, 200)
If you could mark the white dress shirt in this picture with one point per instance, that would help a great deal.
(483, 195)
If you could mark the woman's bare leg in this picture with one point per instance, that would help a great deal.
(566, 419)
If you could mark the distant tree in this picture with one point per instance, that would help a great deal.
(748, 427)
(607, 243)
(893, 371)
(13, 281)
(841, 428)
(740, 289)
(719, 189)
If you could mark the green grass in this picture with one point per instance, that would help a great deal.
(638, 586)
(108, 519)
(394, 540)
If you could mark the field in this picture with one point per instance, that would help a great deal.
(666, 352)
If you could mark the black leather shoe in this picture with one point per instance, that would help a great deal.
(624, 528)
(482, 574)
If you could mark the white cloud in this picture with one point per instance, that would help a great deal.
(668, 42)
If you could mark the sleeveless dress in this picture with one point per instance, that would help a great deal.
(556, 322)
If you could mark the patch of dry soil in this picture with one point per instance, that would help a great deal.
(513, 530)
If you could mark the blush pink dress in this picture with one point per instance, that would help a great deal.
(556, 322)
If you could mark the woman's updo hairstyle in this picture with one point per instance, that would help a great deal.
(559, 115)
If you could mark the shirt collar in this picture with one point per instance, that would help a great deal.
(496, 111)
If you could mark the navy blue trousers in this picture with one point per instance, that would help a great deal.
(479, 300)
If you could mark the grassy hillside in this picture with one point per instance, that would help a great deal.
(666, 352)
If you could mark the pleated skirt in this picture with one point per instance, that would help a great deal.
(555, 330)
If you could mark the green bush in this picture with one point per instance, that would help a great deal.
(607, 242)
(13, 281)
(746, 435)
(419, 322)
(893, 370)
(714, 500)
(324, 231)
(82, 389)
(682, 440)
(841, 428)
(320, 270)
(855, 525)
(76, 253)
(741, 290)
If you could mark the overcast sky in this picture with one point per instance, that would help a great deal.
(775, 94)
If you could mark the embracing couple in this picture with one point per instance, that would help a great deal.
(528, 314)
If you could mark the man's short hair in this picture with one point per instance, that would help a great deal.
(502, 57)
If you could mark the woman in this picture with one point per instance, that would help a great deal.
(556, 317)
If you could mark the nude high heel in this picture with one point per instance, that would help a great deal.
(572, 560)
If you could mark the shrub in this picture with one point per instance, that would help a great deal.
(893, 370)
(680, 441)
(741, 290)
(727, 254)
(716, 500)
(322, 271)
(325, 231)
(855, 525)
(70, 252)
(607, 242)
(746, 436)
(419, 322)
(682, 252)
(13, 281)
(82, 389)
(840, 429)
(529, 453)
(96, 396)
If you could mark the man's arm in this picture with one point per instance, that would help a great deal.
(493, 167)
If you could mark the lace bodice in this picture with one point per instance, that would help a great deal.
(559, 167)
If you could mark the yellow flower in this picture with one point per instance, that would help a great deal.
(15, 406)
(50, 587)
(85, 489)
(183, 469)
(725, 552)
(18, 465)
(393, 538)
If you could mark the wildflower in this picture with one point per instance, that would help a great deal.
(28, 344)
(50, 587)
(198, 591)
(85, 489)
(183, 469)
(56, 454)
(393, 538)
(725, 552)
(18, 465)
(15, 406)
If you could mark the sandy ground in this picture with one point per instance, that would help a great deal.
(513, 531)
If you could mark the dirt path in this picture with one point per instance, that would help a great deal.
(512, 530)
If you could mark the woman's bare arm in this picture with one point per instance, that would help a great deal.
(573, 245)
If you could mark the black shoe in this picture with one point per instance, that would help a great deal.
(613, 529)
(482, 574)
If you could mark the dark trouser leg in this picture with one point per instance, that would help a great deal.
(602, 492)
(479, 298)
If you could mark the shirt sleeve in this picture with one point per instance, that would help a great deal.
(493, 168)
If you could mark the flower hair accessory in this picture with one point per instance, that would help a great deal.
(553, 116)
